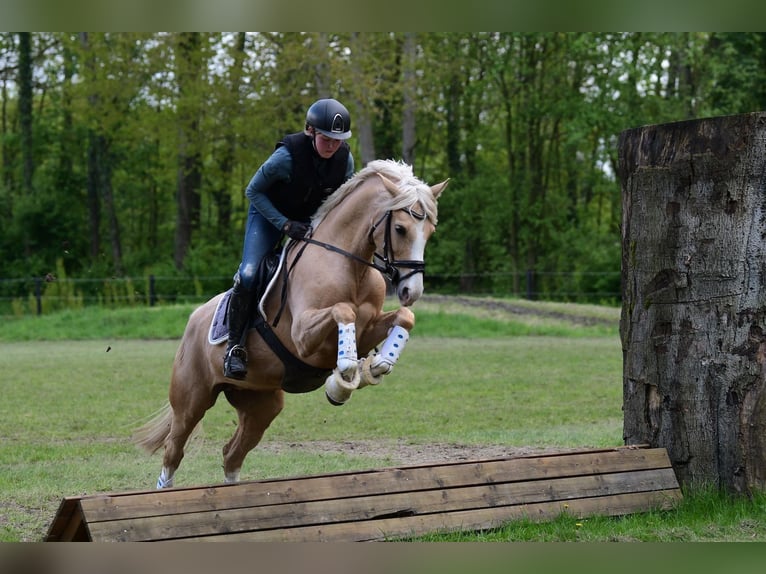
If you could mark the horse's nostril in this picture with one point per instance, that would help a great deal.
(404, 295)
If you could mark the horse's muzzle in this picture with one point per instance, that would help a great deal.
(408, 294)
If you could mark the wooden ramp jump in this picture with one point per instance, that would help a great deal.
(381, 504)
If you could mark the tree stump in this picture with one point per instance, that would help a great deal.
(693, 324)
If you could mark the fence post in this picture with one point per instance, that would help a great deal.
(39, 295)
(152, 292)
(531, 294)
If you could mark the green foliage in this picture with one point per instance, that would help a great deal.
(589, 255)
(739, 88)
(60, 293)
(525, 124)
(41, 233)
(471, 218)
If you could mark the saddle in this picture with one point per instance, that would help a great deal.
(299, 377)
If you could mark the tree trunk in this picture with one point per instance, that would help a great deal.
(93, 187)
(25, 108)
(107, 190)
(362, 117)
(693, 323)
(5, 150)
(189, 202)
(226, 158)
(101, 194)
(409, 97)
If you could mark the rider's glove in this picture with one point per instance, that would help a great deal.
(296, 229)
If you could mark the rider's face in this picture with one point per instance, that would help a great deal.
(326, 147)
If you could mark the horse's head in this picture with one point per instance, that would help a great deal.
(401, 234)
(403, 216)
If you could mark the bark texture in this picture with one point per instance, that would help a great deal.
(693, 323)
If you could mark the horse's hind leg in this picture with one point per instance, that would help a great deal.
(256, 410)
(188, 406)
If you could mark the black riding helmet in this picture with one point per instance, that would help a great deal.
(329, 117)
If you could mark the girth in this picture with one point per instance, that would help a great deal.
(299, 376)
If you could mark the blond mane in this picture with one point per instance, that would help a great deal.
(414, 192)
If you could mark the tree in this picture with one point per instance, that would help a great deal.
(462, 126)
(100, 160)
(538, 96)
(409, 99)
(224, 153)
(6, 162)
(95, 145)
(361, 91)
(190, 69)
(693, 323)
(170, 127)
(25, 109)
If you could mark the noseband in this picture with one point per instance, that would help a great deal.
(385, 262)
(389, 266)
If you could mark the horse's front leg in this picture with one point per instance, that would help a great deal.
(314, 327)
(393, 329)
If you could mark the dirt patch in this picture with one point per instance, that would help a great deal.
(404, 453)
(509, 308)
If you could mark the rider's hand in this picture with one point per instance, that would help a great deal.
(296, 229)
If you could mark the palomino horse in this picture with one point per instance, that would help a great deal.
(330, 316)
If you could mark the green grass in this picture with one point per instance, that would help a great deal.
(705, 515)
(163, 322)
(462, 325)
(76, 384)
(437, 317)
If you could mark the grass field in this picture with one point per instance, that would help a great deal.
(476, 375)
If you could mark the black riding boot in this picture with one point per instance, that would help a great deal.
(238, 317)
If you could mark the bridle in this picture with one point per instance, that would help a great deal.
(385, 262)
(389, 266)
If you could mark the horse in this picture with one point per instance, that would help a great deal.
(321, 318)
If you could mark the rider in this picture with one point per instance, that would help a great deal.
(284, 193)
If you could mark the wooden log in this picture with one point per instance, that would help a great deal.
(693, 322)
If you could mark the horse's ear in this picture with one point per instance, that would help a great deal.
(390, 185)
(438, 188)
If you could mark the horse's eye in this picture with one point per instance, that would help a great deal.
(400, 229)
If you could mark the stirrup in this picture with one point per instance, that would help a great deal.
(235, 363)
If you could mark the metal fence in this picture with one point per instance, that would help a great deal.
(38, 295)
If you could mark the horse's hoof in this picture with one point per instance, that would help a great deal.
(332, 401)
(337, 390)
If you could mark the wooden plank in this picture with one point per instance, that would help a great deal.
(463, 521)
(380, 504)
(68, 524)
(362, 508)
(401, 479)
